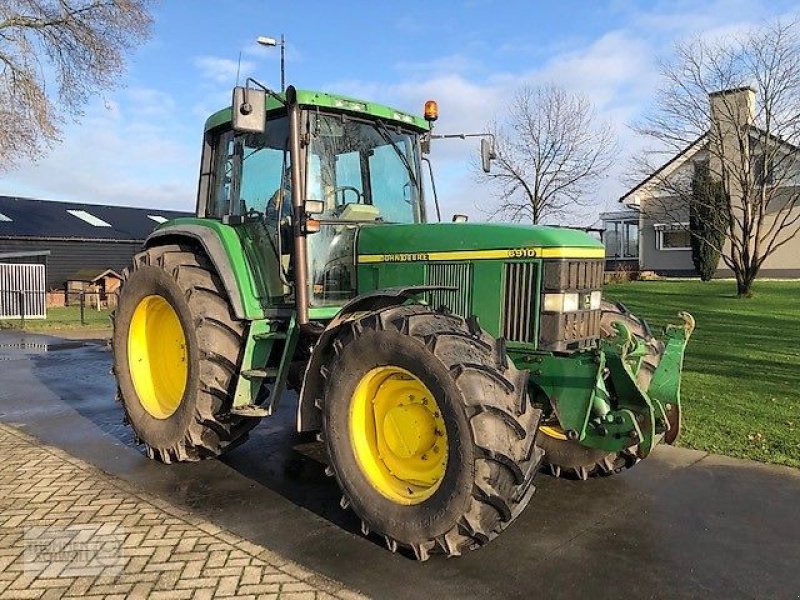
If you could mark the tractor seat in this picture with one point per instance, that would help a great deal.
(359, 212)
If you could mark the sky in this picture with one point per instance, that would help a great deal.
(139, 144)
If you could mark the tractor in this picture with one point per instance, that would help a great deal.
(442, 365)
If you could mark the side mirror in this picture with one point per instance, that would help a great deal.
(249, 110)
(314, 207)
(487, 154)
(460, 218)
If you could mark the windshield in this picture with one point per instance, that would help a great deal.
(251, 172)
(363, 171)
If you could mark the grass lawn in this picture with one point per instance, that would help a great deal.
(741, 385)
(68, 317)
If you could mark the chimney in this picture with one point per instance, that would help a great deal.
(732, 112)
(736, 106)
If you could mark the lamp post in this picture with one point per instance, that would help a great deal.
(272, 42)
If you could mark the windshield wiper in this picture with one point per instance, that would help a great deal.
(380, 127)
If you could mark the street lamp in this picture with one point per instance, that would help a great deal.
(272, 42)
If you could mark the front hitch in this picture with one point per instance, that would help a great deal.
(655, 412)
(665, 385)
(637, 418)
(598, 400)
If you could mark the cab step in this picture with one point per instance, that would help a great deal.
(250, 410)
(260, 373)
(270, 335)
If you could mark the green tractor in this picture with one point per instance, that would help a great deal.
(442, 364)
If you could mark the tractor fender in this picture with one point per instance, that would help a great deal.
(213, 248)
(309, 416)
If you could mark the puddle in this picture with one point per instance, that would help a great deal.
(20, 349)
(35, 347)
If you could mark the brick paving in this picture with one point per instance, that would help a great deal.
(67, 530)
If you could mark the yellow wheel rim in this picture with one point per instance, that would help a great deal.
(553, 432)
(398, 434)
(157, 356)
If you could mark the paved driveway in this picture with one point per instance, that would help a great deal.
(683, 524)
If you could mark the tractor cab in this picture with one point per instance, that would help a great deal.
(357, 164)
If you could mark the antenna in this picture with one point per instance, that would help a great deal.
(238, 68)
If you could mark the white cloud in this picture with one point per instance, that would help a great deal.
(223, 70)
(119, 156)
(617, 63)
(618, 71)
(148, 102)
(138, 151)
(453, 63)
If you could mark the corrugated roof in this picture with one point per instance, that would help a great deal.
(29, 218)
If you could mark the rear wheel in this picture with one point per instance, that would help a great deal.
(568, 457)
(176, 350)
(429, 430)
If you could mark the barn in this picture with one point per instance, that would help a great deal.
(73, 239)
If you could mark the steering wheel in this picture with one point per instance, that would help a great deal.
(346, 188)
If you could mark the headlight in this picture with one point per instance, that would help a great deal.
(594, 303)
(563, 302)
(572, 301)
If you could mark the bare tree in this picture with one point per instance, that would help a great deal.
(54, 55)
(735, 103)
(551, 149)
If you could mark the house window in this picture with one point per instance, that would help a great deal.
(631, 239)
(673, 236)
(621, 239)
(763, 170)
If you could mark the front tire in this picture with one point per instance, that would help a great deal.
(176, 351)
(429, 430)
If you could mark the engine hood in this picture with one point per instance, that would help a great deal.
(463, 241)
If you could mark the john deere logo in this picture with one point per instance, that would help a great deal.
(405, 257)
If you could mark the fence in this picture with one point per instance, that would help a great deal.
(22, 292)
(64, 309)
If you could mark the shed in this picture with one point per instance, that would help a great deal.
(68, 236)
(97, 285)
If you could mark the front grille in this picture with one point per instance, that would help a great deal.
(458, 275)
(519, 301)
(578, 329)
(564, 275)
(569, 331)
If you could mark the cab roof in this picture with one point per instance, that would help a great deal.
(333, 101)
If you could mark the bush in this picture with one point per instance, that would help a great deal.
(707, 221)
(622, 273)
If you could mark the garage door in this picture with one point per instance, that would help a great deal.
(22, 292)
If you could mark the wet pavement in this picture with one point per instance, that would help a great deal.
(69, 531)
(682, 524)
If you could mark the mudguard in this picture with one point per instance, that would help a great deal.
(309, 417)
(223, 247)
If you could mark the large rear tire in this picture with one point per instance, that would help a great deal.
(177, 348)
(429, 430)
(567, 457)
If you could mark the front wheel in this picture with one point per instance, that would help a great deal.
(429, 430)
